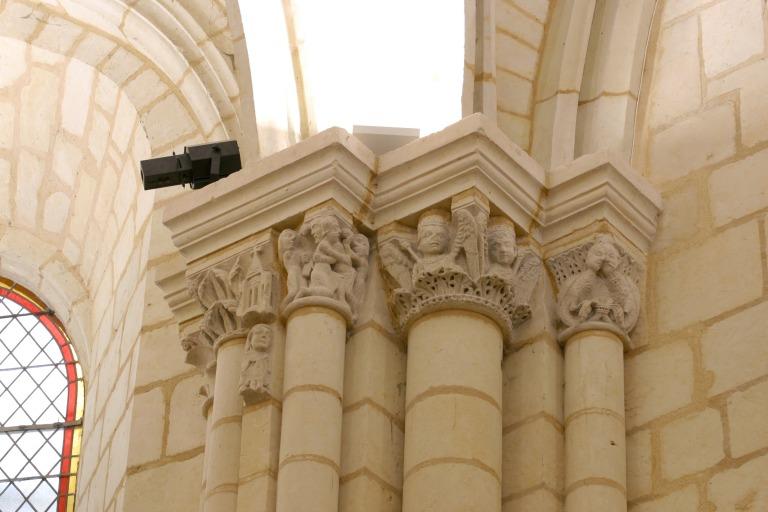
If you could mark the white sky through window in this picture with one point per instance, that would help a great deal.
(367, 62)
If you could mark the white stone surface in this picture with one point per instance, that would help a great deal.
(740, 188)
(56, 212)
(684, 500)
(692, 444)
(744, 487)
(748, 419)
(732, 32)
(147, 426)
(78, 83)
(13, 59)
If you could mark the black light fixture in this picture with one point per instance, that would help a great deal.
(198, 166)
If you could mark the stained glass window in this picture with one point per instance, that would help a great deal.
(41, 406)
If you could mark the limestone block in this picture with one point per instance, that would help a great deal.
(375, 370)
(639, 460)
(308, 486)
(7, 122)
(514, 93)
(56, 212)
(603, 123)
(596, 448)
(680, 218)
(691, 444)
(125, 196)
(540, 500)
(13, 55)
(708, 279)
(593, 497)
(740, 188)
(118, 457)
(533, 382)
(186, 425)
(451, 487)
(171, 486)
(594, 375)
(748, 419)
(508, 19)
(449, 345)
(58, 35)
(145, 88)
(533, 456)
(658, 381)
(98, 484)
(167, 121)
(675, 8)
(257, 494)
(5, 185)
(82, 207)
(159, 356)
(67, 158)
(224, 440)
(78, 83)
(371, 442)
(106, 93)
(742, 488)
(515, 56)
(120, 65)
(93, 48)
(750, 81)
(734, 350)
(42, 56)
(311, 425)
(453, 426)
(677, 62)
(125, 122)
(684, 500)
(38, 108)
(517, 128)
(115, 407)
(315, 349)
(695, 142)
(260, 441)
(124, 247)
(731, 32)
(97, 140)
(538, 8)
(28, 189)
(107, 188)
(365, 493)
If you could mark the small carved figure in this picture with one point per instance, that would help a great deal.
(329, 255)
(601, 292)
(256, 371)
(502, 251)
(433, 239)
(294, 258)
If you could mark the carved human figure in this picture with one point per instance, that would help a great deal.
(329, 256)
(502, 251)
(294, 259)
(601, 292)
(256, 371)
(433, 243)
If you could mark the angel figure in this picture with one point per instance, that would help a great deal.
(329, 253)
(359, 249)
(601, 292)
(433, 239)
(294, 258)
(255, 370)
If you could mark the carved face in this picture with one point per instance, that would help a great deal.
(359, 244)
(502, 247)
(260, 338)
(602, 255)
(286, 241)
(325, 227)
(433, 239)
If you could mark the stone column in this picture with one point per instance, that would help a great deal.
(326, 263)
(598, 305)
(233, 315)
(460, 286)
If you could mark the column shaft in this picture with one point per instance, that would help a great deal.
(453, 432)
(595, 439)
(310, 440)
(223, 441)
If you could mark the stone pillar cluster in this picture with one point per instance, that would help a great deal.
(453, 255)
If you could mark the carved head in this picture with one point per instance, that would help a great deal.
(325, 227)
(260, 338)
(502, 243)
(360, 245)
(286, 241)
(603, 254)
(432, 232)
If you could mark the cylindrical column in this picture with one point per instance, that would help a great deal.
(595, 444)
(223, 441)
(453, 432)
(310, 441)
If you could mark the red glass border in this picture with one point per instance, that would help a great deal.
(54, 327)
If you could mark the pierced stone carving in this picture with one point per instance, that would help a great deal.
(326, 263)
(256, 368)
(599, 287)
(460, 261)
(235, 296)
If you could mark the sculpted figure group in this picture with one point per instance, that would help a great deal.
(324, 259)
(598, 283)
(463, 258)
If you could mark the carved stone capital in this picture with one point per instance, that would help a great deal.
(599, 287)
(462, 260)
(326, 262)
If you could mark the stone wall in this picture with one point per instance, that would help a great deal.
(697, 412)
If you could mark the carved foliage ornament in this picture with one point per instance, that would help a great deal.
(237, 297)
(326, 263)
(599, 285)
(460, 262)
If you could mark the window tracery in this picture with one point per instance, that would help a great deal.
(41, 406)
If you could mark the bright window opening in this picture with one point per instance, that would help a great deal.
(41, 407)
